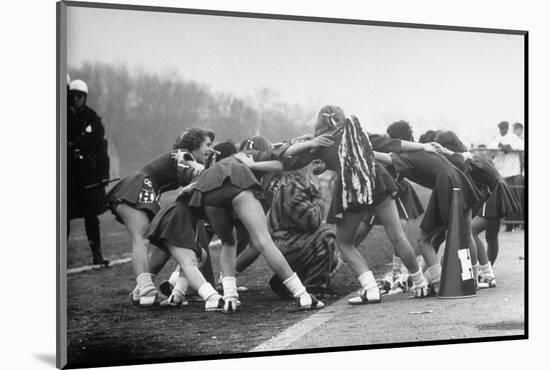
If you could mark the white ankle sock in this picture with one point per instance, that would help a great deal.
(181, 284)
(206, 291)
(174, 277)
(486, 269)
(475, 270)
(418, 277)
(433, 273)
(367, 281)
(229, 284)
(397, 264)
(145, 281)
(294, 284)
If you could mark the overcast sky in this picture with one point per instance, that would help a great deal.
(434, 79)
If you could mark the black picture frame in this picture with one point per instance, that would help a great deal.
(62, 258)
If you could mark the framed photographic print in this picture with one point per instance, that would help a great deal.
(241, 184)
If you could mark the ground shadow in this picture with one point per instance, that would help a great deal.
(47, 358)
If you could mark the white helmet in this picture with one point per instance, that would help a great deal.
(78, 85)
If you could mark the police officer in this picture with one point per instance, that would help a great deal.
(87, 166)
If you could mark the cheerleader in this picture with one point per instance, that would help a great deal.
(135, 200)
(407, 201)
(228, 190)
(172, 230)
(362, 186)
(434, 171)
(269, 182)
(498, 201)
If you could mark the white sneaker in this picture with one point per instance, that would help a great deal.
(134, 295)
(149, 296)
(176, 299)
(219, 286)
(230, 305)
(309, 302)
(366, 296)
(214, 303)
(486, 281)
(422, 290)
(402, 283)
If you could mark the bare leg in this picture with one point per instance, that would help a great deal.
(388, 215)
(345, 232)
(363, 229)
(246, 258)
(491, 236)
(158, 259)
(187, 259)
(471, 243)
(223, 225)
(480, 224)
(136, 223)
(252, 215)
(426, 247)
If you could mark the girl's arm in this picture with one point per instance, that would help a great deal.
(409, 146)
(465, 155)
(383, 158)
(187, 189)
(320, 141)
(265, 166)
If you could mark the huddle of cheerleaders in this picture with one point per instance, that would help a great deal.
(266, 201)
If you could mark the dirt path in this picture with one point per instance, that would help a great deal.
(492, 313)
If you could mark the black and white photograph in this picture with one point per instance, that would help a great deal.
(206, 184)
(244, 184)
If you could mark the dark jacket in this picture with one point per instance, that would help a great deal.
(87, 162)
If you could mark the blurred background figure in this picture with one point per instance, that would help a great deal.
(507, 162)
(518, 131)
(87, 166)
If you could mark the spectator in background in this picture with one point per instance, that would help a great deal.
(518, 131)
(507, 161)
(87, 166)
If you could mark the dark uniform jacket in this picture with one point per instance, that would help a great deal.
(87, 163)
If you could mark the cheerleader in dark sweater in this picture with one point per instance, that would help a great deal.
(134, 200)
(173, 229)
(228, 190)
(407, 201)
(362, 186)
(269, 182)
(434, 171)
(498, 201)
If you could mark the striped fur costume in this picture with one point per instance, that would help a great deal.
(295, 224)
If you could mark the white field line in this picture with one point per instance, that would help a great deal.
(75, 270)
(93, 267)
(298, 330)
(83, 237)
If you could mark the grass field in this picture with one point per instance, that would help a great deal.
(103, 326)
